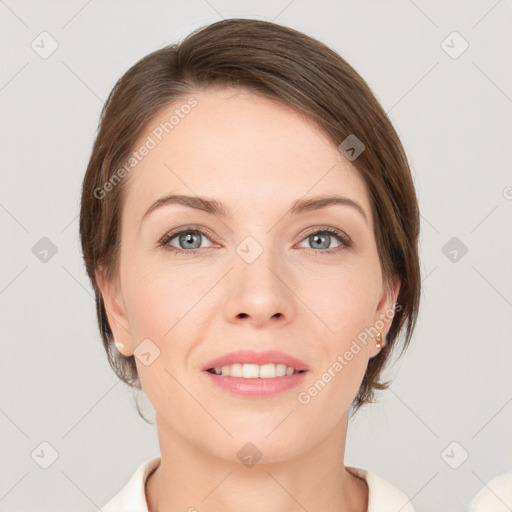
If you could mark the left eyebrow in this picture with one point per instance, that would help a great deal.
(317, 203)
(215, 207)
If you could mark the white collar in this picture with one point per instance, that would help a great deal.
(382, 495)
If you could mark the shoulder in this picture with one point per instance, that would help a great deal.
(495, 496)
(383, 496)
(132, 497)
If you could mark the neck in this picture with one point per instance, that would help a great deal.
(316, 480)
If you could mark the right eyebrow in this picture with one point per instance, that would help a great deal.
(199, 203)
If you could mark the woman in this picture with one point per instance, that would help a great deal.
(250, 226)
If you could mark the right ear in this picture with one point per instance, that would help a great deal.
(116, 312)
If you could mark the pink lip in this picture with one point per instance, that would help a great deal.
(256, 388)
(259, 358)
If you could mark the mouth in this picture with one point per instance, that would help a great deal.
(255, 371)
(256, 375)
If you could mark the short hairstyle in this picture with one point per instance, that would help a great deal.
(279, 63)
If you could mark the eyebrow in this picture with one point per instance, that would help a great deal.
(215, 207)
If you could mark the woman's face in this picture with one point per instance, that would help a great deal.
(260, 278)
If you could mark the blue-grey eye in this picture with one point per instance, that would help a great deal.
(322, 240)
(187, 240)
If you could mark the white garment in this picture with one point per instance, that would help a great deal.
(495, 496)
(382, 497)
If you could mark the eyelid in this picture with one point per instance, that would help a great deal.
(344, 239)
(188, 227)
(164, 241)
(329, 229)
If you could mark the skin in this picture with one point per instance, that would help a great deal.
(256, 156)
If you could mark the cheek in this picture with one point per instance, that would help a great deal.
(346, 308)
(343, 300)
(150, 312)
(159, 303)
(158, 298)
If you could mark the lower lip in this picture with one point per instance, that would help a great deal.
(256, 388)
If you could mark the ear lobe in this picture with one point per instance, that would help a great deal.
(115, 310)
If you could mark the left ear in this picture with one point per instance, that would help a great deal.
(386, 311)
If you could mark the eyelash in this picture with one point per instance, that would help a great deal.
(340, 236)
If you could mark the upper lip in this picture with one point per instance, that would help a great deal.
(259, 358)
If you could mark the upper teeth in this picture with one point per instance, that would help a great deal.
(254, 371)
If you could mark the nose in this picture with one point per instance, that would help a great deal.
(260, 292)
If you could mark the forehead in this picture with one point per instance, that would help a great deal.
(241, 148)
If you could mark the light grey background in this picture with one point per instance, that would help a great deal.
(454, 118)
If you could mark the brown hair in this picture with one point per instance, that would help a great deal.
(279, 63)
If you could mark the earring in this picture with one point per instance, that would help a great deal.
(119, 345)
(379, 339)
